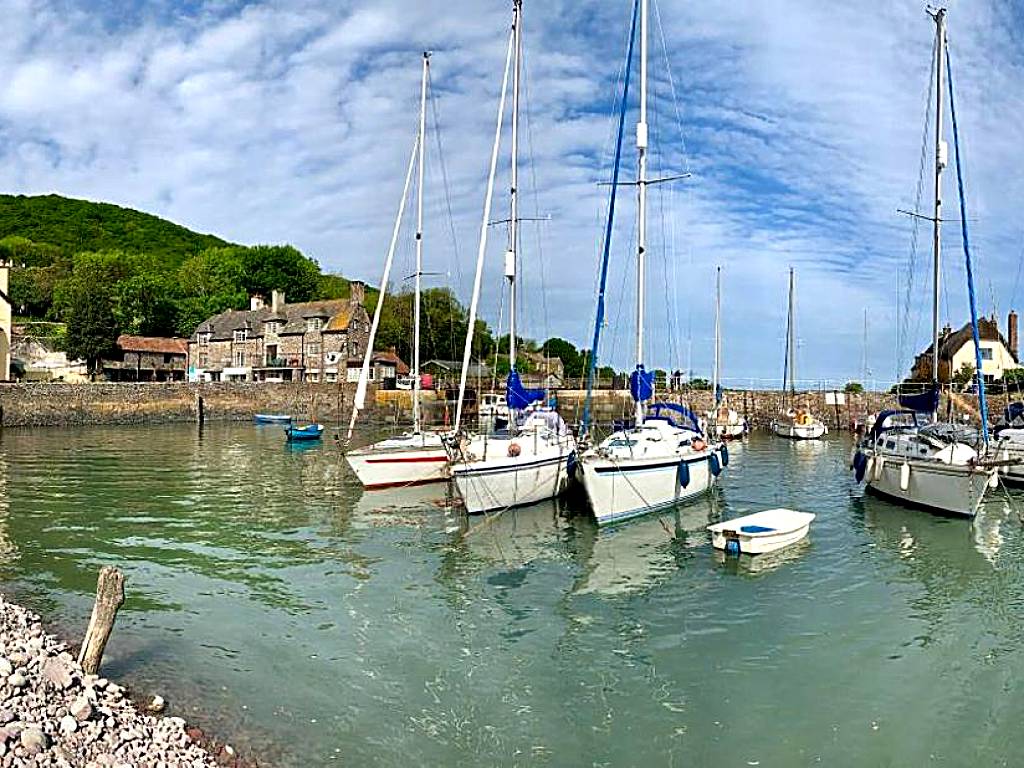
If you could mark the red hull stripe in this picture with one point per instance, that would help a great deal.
(409, 460)
(381, 486)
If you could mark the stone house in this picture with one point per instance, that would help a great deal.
(384, 366)
(308, 341)
(146, 358)
(957, 347)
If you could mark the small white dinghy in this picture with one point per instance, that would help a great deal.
(761, 532)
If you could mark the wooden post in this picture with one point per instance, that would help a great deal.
(200, 410)
(109, 597)
(835, 402)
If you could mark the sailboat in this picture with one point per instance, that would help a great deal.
(794, 421)
(723, 422)
(417, 456)
(665, 457)
(528, 461)
(907, 455)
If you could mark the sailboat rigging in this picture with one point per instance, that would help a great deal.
(794, 422)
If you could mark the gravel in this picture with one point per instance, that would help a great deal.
(52, 714)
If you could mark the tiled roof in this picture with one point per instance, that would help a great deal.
(157, 344)
(337, 313)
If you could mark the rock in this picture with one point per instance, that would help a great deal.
(34, 740)
(68, 725)
(18, 658)
(17, 680)
(156, 705)
(56, 673)
(81, 709)
(226, 756)
(6, 716)
(5, 667)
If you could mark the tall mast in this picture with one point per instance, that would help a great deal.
(512, 256)
(718, 331)
(791, 339)
(941, 152)
(641, 146)
(864, 353)
(419, 248)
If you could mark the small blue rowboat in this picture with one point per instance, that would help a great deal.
(305, 432)
(272, 418)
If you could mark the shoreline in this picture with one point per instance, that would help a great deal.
(53, 714)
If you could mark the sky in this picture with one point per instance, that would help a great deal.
(800, 124)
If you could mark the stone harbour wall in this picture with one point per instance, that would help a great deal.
(59, 404)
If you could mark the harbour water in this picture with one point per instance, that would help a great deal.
(274, 602)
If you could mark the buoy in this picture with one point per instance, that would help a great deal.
(514, 450)
(878, 468)
(732, 547)
(683, 474)
(860, 463)
(715, 464)
(698, 444)
(725, 455)
(904, 476)
(869, 465)
(993, 482)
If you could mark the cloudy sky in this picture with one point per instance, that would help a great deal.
(800, 122)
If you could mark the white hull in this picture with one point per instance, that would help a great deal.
(812, 431)
(621, 489)
(728, 431)
(400, 461)
(506, 482)
(950, 488)
(786, 527)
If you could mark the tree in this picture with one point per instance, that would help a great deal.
(144, 305)
(86, 301)
(853, 388)
(565, 351)
(700, 384)
(268, 268)
(965, 375)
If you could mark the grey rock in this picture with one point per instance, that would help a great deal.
(34, 740)
(56, 673)
(81, 709)
(156, 705)
(68, 725)
(17, 680)
(6, 716)
(5, 667)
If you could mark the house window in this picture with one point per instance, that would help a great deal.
(204, 338)
(331, 377)
(239, 358)
(986, 353)
(313, 349)
(273, 327)
(241, 335)
(271, 355)
(354, 346)
(168, 359)
(372, 370)
(313, 324)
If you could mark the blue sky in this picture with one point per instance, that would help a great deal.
(801, 123)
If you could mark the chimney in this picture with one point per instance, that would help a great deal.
(276, 301)
(357, 292)
(255, 302)
(1011, 332)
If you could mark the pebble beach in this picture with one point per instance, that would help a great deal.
(53, 714)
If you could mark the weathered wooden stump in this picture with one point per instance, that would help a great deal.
(109, 597)
(200, 410)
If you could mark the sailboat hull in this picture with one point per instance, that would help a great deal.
(812, 431)
(622, 489)
(499, 484)
(400, 461)
(949, 489)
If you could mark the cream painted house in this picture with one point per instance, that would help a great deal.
(998, 354)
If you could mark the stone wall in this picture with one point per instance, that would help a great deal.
(58, 404)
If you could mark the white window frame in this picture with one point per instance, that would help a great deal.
(240, 335)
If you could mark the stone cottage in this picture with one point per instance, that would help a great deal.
(146, 358)
(308, 341)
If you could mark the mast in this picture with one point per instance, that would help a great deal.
(482, 248)
(791, 340)
(419, 248)
(512, 255)
(641, 146)
(941, 152)
(864, 352)
(718, 332)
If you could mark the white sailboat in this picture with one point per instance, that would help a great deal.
(664, 458)
(793, 421)
(417, 456)
(907, 456)
(529, 461)
(723, 422)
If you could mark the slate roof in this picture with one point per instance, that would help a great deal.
(336, 312)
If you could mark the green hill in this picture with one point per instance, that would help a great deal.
(71, 226)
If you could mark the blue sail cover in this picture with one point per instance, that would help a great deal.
(1013, 412)
(641, 384)
(517, 395)
(672, 412)
(926, 402)
(718, 394)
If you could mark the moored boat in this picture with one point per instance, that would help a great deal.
(767, 531)
(793, 421)
(304, 432)
(272, 418)
(408, 459)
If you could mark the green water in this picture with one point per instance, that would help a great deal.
(274, 602)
